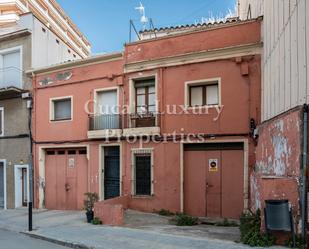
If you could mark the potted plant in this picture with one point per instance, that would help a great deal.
(90, 199)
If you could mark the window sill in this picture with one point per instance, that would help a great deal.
(61, 120)
(142, 196)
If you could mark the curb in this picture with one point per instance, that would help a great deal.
(57, 241)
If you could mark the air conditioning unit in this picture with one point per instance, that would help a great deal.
(26, 95)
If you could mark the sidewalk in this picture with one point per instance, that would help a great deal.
(70, 229)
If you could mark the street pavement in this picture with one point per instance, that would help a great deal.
(70, 228)
(13, 240)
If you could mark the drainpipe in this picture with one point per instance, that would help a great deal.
(304, 173)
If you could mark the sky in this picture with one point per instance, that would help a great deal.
(105, 23)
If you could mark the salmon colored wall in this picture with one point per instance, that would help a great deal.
(81, 86)
(240, 97)
(227, 36)
(166, 177)
(278, 159)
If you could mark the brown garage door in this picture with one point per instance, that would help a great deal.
(65, 178)
(214, 180)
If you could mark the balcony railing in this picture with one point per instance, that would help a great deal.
(105, 122)
(10, 77)
(137, 120)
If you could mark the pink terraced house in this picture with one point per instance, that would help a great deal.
(129, 125)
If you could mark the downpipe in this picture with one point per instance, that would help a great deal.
(304, 215)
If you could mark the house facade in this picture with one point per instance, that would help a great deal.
(25, 43)
(166, 124)
(281, 160)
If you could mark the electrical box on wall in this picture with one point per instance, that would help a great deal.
(29, 104)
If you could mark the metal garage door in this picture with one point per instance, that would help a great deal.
(214, 180)
(65, 178)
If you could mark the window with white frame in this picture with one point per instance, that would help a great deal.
(202, 94)
(142, 173)
(61, 109)
(1, 121)
(10, 68)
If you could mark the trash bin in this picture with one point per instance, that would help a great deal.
(278, 216)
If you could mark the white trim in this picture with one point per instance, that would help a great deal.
(246, 167)
(136, 151)
(101, 167)
(132, 103)
(142, 131)
(201, 82)
(41, 163)
(4, 183)
(14, 49)
(16, 168)
(51, 109)
(2, 121)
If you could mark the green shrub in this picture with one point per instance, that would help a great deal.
(250, 233)
(96, 221)
(298, 242)
(90, 200)
(185, 220)
(165, 212)
(226, 223)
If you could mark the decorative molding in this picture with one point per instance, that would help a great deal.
(195, 57)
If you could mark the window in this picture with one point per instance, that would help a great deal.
(61, 109)
(10, 69)
(145, 95)
(142, 173)
(1, 121)
(203, 94)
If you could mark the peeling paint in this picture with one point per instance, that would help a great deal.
(278, 154)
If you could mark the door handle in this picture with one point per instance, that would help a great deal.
(208, 185)
(67, 187)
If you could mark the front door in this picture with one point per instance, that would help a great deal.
(214, 180)
(65, 178)
(24, 179)
(1, 185)
(111, 172)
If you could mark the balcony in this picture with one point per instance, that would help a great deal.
(116, 125)
(142, 124)
(105, 125)
(10, 82)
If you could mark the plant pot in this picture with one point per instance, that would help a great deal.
(89, 215)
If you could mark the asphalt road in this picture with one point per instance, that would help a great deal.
(12, 240)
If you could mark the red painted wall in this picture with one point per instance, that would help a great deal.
(278, 158)
(211, 38)
(240, 97)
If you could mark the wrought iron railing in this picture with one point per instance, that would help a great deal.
(119, 121)
(105, 121)
(137, 120)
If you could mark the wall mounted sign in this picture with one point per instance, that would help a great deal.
(71, 162)
(213, 165)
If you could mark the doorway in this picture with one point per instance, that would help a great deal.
(110, 172)
(66, 178)
(21, 185)
(2, 184)
(214, 180)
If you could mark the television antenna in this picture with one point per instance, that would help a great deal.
(144, 19)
